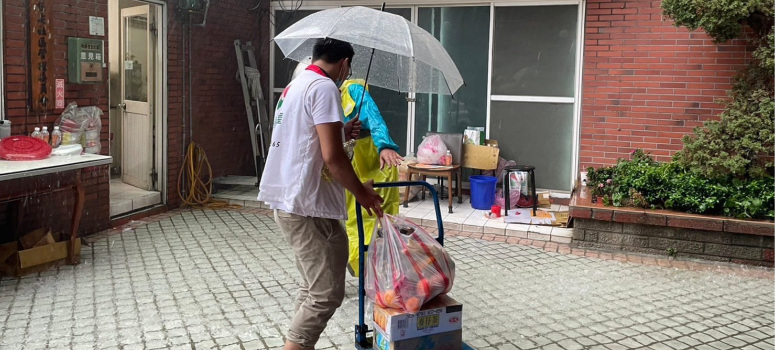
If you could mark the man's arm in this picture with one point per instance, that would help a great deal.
(341, 169)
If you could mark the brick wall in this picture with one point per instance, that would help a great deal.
(647, 83)
(175, 90)
(219, 115)
(219, 119)
(67, 19)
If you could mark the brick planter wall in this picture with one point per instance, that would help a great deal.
(661, 231)
(687, 242)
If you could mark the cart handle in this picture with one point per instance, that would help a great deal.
(361, 329)
(434, 195)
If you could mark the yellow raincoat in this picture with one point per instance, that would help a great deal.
(366, 163)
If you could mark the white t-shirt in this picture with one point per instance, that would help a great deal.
(293, 179)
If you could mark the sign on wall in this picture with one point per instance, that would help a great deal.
(60, 94)
(40, 56)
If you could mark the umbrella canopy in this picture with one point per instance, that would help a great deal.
(406, 57)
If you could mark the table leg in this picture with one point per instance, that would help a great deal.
(449, 190)
(533, 185)
(77, 211)
(407, 190)
(459, 186)
(424, 179)
(440, 185)
(15, 217)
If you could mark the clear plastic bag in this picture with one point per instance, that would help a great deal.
(431, 149)
(515, 184)
(406, 267)
(81, 125)
(498, 173)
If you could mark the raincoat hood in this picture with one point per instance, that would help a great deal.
(348, 104)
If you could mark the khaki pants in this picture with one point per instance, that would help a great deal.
(320, 246)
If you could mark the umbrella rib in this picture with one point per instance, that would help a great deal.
(338, 20)
(409, 35)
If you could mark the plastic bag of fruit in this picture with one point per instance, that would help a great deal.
(406, 267)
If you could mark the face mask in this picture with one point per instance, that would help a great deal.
(340, 81)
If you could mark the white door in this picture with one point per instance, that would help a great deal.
(137, 58)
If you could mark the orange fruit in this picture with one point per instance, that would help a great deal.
(423, 289)
(390, 298)
(413, 305)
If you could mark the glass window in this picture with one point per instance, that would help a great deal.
(392, 105)
(464, 33)
(534, 51)
(283, 68)
(136, 64)
(534, 55)
(537, 134)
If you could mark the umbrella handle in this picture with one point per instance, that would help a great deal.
(368, 71)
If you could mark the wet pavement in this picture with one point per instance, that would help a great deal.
(207, 279)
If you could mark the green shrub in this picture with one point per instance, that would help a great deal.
(742, 142)
(642, 182)
(726, 166)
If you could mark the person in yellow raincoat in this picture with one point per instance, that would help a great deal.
(376, 158)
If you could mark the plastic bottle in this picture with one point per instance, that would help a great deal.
(44, 135)
(36, 133)
(5, 128)
(56, 137)
(448, 158)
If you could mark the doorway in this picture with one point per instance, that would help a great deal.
(135, 100)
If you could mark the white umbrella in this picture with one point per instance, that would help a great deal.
(406, 58)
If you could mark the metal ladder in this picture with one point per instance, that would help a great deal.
(256, 106)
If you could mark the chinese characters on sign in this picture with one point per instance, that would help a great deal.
(96, 26)
(40, 52)
(60, 94)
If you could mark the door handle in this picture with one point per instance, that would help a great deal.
(122, 106)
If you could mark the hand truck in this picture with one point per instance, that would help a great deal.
(362, 339)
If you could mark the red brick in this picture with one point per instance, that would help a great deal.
(591, 253)
(706, 224)
(602, 214)
(760, 228)
(580, 213)
(769, 255)
(551, 246)
(629, 217)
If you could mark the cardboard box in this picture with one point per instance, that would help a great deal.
(441, 314)
(21, 262)
(481, 157)
(441, 341)
(37, 238)
(543, 199)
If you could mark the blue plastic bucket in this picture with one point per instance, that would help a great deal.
(482, 191)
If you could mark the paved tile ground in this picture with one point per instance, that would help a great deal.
(206, 279)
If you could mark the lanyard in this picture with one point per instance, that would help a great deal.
(318, 70)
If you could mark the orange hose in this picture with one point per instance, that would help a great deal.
(199, 191)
